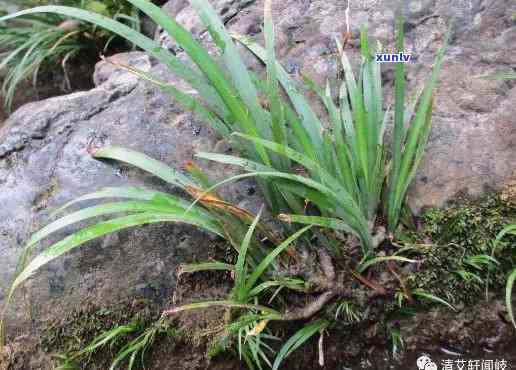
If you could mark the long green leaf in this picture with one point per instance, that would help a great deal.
(248, 111)
(279, 130)
(309, 120)
(229, 304)
(373, 261)
(431, 297)
(294, 284)
(108, 227)
(264, 264)
(188, 102)
(205, 266)
(417, 130)
(420, 150)
(106, 338)
(508, 230)
(200, 56)
(358, 116)
(105, 209)
(399, 127)
(347, 156)
(127, 192)
(372, 106)
(240, 267)
(508, 296)
(298, 339)
(146, 163)
(331, 223)
(232, 60)
(500, 76)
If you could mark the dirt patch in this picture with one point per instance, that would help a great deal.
(475, 332)
(23, 354)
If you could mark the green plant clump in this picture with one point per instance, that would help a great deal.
(341, 165)
(126, 334)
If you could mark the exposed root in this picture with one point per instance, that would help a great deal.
(310, 309)
(378, 288)
(321, 350)
(319, 270)
(380, 236)
(326, 265)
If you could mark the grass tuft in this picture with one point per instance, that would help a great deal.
(44, 41)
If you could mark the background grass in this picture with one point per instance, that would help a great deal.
(51, 41)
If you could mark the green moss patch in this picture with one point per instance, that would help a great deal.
(453, 238)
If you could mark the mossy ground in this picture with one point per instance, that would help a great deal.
(443, 240)
(452, 235)
(74, 331)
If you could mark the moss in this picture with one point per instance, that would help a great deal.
(451, 235)
(81, 325)
(77, 329)
(472, 224)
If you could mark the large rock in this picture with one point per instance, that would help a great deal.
(43, 146)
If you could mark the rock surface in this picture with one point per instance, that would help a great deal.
(43, 146)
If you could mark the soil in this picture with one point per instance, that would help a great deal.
(363, 346)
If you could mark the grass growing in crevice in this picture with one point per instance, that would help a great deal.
(508, 232)
(246, 335)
